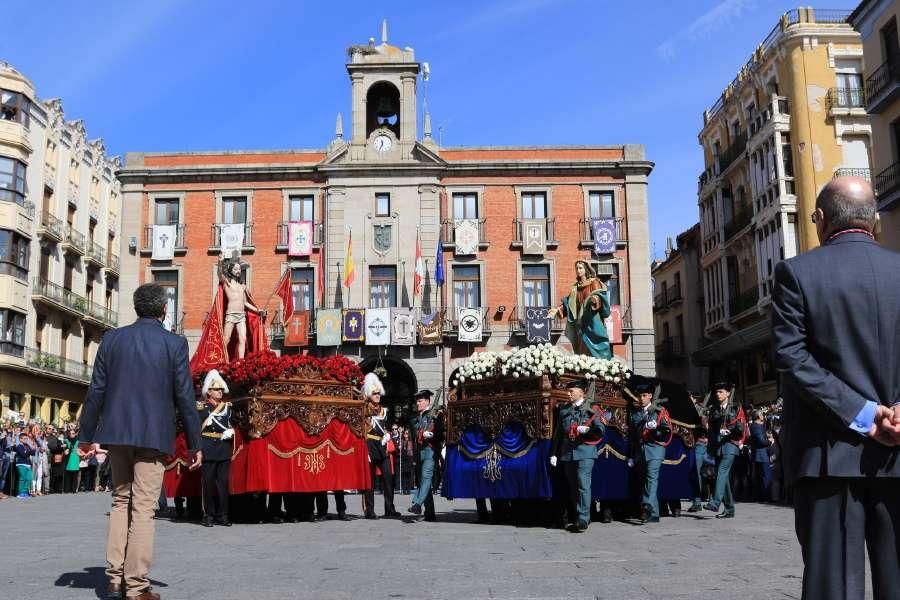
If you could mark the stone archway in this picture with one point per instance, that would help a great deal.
(400, 384)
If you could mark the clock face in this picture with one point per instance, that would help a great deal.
(382, 143)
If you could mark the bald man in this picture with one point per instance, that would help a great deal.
(836, 326)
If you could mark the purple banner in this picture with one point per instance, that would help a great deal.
(604, 235)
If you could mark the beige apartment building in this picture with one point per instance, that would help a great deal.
(792, 119)
(59, 262)
(876, 21)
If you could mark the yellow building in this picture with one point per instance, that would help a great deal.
(791, 120)
(876, 21)
(59, 264)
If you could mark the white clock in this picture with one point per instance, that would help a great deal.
(382, 142)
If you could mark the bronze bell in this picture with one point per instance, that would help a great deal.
(385, 108)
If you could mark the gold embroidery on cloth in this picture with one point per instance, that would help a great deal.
(492, 457)
(309, 459)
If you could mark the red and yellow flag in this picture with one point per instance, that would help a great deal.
(350, 270)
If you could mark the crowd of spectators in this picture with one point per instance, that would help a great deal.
(39, 458)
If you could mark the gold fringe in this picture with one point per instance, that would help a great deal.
(610, 450)
(675, 462)
(495, 447)
(300, 449)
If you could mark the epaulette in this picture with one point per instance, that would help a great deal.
(201, 405)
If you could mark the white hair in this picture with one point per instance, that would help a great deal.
(372, 384)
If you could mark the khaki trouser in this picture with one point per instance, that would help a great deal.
(137, 475)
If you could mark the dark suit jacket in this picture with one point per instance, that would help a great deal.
(836, 324)
(141, 375)
(759, 442)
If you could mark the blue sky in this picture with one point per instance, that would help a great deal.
(205, 74)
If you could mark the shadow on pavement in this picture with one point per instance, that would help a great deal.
(92, 578)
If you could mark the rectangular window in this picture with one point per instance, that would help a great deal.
(234, 209)
(612, 285)
(786, 156)
(12, 332)
(15, 106)
(64, 343)
(302, 288)
(12, 180)
(167, 211)
(534, 205)
(466, 286)
(536, 285)
(67, 275)
(382, 204)
(300, 208)
(14, 254)
(465, 205)
(601, 205)
(382, 287)
(169, 282)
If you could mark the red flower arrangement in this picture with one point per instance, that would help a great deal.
(245, 373)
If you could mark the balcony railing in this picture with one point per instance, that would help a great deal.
(673, 294)
(283, 235)
(830, 15)
(52, 363)
(147, 245)
(518, 325)
(73, 240)
(448, 232)
(881, 85)
(216, 238)
(744, 301)
(738, 221)
(659, 301)
(670, 348)
(277, 328)
(102, 314)
(587, 231)
(112, 264)
(51, 227)
(59, 295)
(96, 254)
(845, 98)
(451, 321)
(518, 231)
(734, 152)
(888, 180)
(853, 172)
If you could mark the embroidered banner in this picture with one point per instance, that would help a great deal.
(163, 242)
(469, 324)
(604, 231)
(431, 329)
(354, 325)
(328, 327)
(534, 236)
(296, 330)
(378, 327)
(537, 325)
(465, 234)
(231, 238)
(300, 238)
(403, 327)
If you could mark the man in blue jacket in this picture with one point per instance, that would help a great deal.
(141, 377)
(836, 327)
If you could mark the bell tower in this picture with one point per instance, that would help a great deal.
(383, 84)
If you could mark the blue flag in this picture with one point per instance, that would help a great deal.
(439, 263)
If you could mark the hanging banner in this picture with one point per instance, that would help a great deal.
(534, 236)
(231, 238)
(431, 329)
(164, 242)
(378, 327)
(300, 238)
(604, 231)
(465, 234)
(296, 330)
(403, 327)
(354, 325)
(613, 324)
(470, 329)
(537, 325)
(328, 327)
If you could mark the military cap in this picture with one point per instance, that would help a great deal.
(581, 384)
(722, 385)
(423, 394)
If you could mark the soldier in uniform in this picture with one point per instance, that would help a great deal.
(728, 430)
(376, 441)
(582, 427)
(426, 428)
(216, 443)
(701, 441)
(651, 428)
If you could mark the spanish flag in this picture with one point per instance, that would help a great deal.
(350, 271)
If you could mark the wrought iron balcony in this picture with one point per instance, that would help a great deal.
(448, 232)
(518, 231)
(734, 152)
(73, 241)
(587, 231)
(673, 294)
(96, 254)
(845, 98)
(283, 235)
(852, 172)
(740, 220)
(112, 264)
(883, 85)
(101, 315)
(659, 301)
(50, 227)
(147, 245)
(57, 365)
(518, 325)
(59, 297)
(744, 301)
(216, 238)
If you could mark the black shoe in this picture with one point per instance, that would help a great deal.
(223, 522)
(372, 516)
(676, 512)
(695, 508)
(392, 514)
(606, 515)
(431, 519)
(646, 511)
(711, 506)
(342, 516)
(276, 519)
(725, 515)
(207, 521)
(579, 527)
(320, 517)
(416, 509)
(292, 520)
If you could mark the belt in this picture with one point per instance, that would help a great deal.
(373, 437)
(212, 434)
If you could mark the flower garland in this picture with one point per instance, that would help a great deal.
(539, 359)
(245, 373)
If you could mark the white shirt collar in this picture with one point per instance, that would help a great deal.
(578, 403)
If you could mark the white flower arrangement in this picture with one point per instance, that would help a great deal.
(540, 359)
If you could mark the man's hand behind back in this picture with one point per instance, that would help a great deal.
(886, 426)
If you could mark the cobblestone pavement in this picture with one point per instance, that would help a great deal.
(54, 548)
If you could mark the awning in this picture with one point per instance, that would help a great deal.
(739, 341)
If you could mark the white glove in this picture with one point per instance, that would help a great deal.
(228, 434)
(385, 438)
(552, 461)
(630, 462)
(650, 425)
(724, 432)
(427, 434)
(582, 429)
